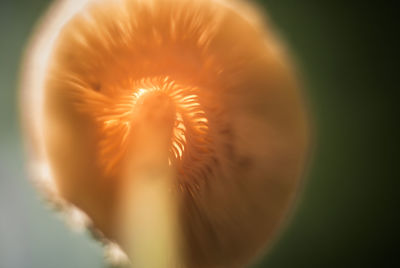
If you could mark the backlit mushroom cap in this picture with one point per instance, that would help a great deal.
(198, 89)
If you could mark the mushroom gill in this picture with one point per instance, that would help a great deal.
(195, 98)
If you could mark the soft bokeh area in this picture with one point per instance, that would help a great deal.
(346, 216)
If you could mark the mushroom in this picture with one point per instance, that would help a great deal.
(174, 129)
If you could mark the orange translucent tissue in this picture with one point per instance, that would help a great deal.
(174, 130)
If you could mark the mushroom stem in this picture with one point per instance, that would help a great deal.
(149, 225)
(148, 207)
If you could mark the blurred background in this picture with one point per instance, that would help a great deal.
(346, 216)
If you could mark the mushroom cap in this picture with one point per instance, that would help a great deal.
(209, 76)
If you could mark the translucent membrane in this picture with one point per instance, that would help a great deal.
(170, 125)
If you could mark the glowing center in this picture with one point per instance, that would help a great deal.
(114, 117)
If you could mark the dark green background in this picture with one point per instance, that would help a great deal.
(347, 216)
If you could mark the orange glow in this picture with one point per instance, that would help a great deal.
(114, 116)
(173, 111)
